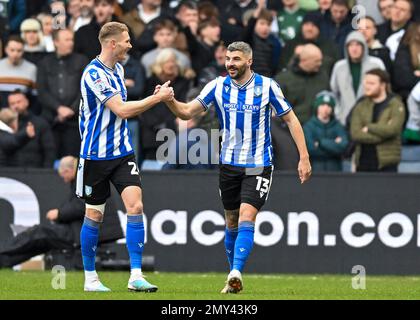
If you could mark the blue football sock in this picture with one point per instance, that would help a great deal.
(230, 238)
(243, 244)
(89, 240)
(135, 239)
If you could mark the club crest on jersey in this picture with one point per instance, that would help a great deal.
(257, 91)
(93, 74)
(88, 191)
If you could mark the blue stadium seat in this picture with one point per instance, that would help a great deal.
(410, 159)
(152, 165)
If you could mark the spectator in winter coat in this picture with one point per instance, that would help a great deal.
(406, 71)
(10, 138)
(303, 80)
(325, 137)
(376, 125)
(347, 75)
(40, 151)
(266, 47)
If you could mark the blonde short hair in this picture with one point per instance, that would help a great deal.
(111, 29)
(164, 56)
(8, 115)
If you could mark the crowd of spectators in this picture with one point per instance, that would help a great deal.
(351, 75)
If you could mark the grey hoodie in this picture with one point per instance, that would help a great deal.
(341, 80)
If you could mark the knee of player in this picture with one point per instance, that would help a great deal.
(247, 215)
(135, 207)
(95, 212)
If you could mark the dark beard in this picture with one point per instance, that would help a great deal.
(240, 73)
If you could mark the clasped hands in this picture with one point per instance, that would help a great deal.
(165, 92)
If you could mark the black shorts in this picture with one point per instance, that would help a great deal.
(94, 176)
(244, 185)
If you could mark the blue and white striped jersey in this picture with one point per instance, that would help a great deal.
(245, 117)
(104, 135)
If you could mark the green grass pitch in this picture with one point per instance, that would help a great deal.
(206, 286)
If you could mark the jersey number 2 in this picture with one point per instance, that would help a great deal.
(134, 170)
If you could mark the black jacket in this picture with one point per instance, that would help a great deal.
(9, 143)
(86, 40)
(337, 33)
(403, 77)
(39, 152)
(72, 212)
(201, 53)
(58, 82)
(383, 54)
(385, 30)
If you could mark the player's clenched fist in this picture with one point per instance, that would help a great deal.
(165, 92)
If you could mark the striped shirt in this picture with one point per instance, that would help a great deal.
(245, 117)
(104, 135)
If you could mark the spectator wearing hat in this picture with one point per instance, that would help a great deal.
(310, 33)
(289, 19)
(376, 125)
(368, 28)
(325, 137)
(303, 80)
(266, 47)
(348, 73)
(32, 36)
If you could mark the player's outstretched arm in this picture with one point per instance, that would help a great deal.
(182, 110)
(130, 109)
(185, 111)
(304, 167)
